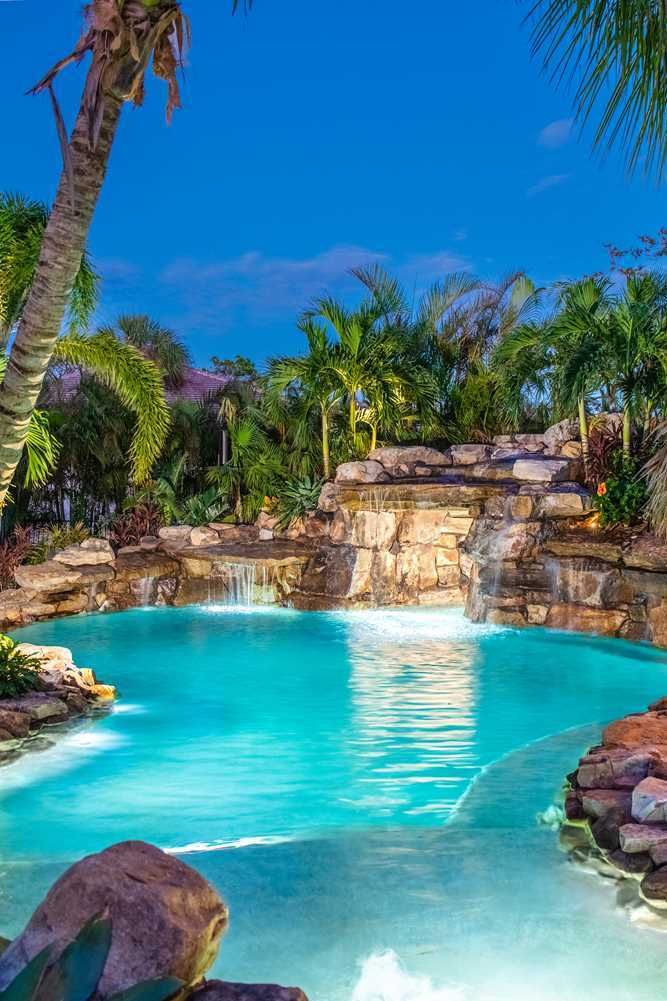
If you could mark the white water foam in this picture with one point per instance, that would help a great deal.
(383, 978)
(58, 759)
(198, 847)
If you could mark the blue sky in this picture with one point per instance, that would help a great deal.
(316, 136)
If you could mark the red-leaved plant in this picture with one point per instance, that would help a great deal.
(13, 552)
(132, 525)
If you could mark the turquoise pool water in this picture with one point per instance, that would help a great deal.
(361, 787)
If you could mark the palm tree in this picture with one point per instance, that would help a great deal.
(635, 352)
(134, 380)
(580, 323)
(159, 344)
(617, 51)
(314, 378)
(254, 470)
(376, 361)
(122, 37)
(22, 225)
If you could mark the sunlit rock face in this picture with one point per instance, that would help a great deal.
(617, 801)
(504, 528)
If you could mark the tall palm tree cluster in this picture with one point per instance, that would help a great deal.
(467, 360)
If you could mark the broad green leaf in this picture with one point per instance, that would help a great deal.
(82, 963)
(150, 990)
(24, 985)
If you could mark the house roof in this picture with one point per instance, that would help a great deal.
(197, 384)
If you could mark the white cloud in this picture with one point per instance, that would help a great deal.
(556, 133)
(258, 287)
(545, 183)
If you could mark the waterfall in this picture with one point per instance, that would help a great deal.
(241, 585)
(92, 596)
(145, 589)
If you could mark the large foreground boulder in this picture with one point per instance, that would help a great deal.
(166, 919)
(218, 990)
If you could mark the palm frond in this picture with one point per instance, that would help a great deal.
(135, 380)
(614, 52)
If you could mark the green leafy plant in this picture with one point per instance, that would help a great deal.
(622, 497)
(209, 505)
(18, 671)
(295, 499)
(58, 537)
(76, 972)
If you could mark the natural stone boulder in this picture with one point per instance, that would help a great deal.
(328, 501)
(175, 536)
(149, 542)
(649, 801)
(639, 731)
(542, 470)
(606, 830)
(615, 768)
(571, 450)
(50, 576)
(565, 504)
(218, 990)
(642, 837)
(362, 472)
(16, 724)
(166, 919)
(38, 706)
(558, 434)
(632, 864)
(468, 455)
(581, 618)
(91, 552)
(599, 802)
(647, 553)
(653, 888)
(400, 461)
(202, 536)
(53, 657)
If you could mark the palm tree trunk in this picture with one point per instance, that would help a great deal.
(648, 411)
(59, 260)
(326, 460)
(353, 414)
(374, 436)
(583, 433)
(627, 433)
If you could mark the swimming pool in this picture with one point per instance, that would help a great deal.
(362, 788)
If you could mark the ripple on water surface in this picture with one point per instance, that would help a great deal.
(334, 752)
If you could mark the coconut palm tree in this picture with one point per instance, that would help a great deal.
(22, 225)
(122, 38)
(616, 50)
(134, 380)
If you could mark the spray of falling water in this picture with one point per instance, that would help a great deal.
(383, 978)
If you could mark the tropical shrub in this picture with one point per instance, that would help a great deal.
(130, 526)
(57, 537)
(75, 974)
(18, 671)
(204, 507)
(622, 496)
(13, 552)
(295, 499)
